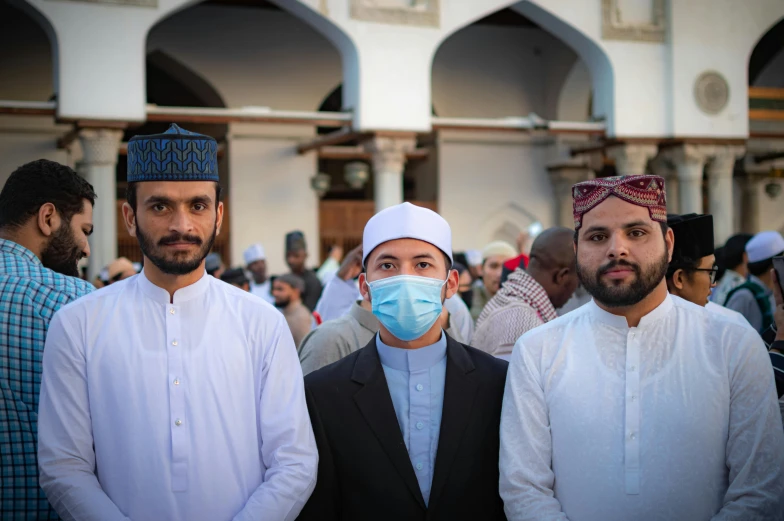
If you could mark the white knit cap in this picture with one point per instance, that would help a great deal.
(254, 253)
(474, 257)
(406, 221)
(765, 245)
(500, 248)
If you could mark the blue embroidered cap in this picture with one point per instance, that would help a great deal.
(176, 155)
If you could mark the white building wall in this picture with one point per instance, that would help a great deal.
(492, 186)
(252, 56)
(25, 139)
(269, 190)
(491, 71)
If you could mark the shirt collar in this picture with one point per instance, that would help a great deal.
(17, 249)
(185, 294)
(411, 360)
(619, 321)
(365, 318)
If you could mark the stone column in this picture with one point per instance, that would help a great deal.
(389, 160)
(563, 177)
(631, 159)
(689, 161)
(720, 171)
(750, 212)
(663, 167)
(99, 160)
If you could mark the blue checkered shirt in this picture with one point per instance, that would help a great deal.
(29, 296)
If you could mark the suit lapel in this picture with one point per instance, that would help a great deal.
(460, 388)
(375, 404)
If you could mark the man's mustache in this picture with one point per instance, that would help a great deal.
(614, 264)
(173, 239)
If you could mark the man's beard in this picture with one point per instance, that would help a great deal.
(283, 303)
(61, 253)
(177, 264)
(618, 295)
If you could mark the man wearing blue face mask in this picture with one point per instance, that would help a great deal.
(407, 427)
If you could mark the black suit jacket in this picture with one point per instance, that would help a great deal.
(364, 468)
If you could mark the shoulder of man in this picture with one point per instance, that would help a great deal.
(485, 363)
(330, 377)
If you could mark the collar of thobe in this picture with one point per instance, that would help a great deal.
(411, 360)
(365, 318)
(161, 296)
(619, 321)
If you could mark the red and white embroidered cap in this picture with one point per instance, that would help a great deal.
(642, 190)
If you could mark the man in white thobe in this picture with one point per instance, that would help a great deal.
(639, 405)
(172, 395)
(256, 262)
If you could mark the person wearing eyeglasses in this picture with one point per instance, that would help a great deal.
(692, 271)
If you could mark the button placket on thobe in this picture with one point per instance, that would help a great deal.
(178, 423)
(632, 420)
(419, 426)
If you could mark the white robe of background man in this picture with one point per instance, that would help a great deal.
(191, 410)
(676, 419)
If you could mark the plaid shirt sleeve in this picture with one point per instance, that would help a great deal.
(29, 297)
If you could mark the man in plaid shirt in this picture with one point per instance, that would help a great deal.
(45, 217)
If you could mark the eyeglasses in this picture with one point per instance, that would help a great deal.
(712, 271)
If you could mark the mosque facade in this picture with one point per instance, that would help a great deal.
(329, 110)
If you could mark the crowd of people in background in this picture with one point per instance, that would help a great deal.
(176, 391)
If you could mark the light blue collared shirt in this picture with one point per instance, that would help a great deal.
(416, 380)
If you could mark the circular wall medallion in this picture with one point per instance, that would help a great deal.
(712, 92)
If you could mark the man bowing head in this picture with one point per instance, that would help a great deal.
(407, 427)
(171, 394)
(638, 405)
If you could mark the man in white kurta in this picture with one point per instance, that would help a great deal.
(672, 419)
(184, 403)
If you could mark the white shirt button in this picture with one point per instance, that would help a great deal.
(419, 466)
(419, 387)
(174, 342)
(631, 369)
(178, 422)
(632, 436)
(176, 381)
(171, 311)
(420, 425)
(633, 397)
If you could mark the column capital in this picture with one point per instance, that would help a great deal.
(663, 166)
(100, 145)
(722, 163)
(631, 159)
(389, 153)
(569, 174)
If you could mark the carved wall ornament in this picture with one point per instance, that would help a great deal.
(424, 13)
(712, 92)
(137, 3)
(615, 28)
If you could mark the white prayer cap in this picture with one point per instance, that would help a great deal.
(406, 221)
(254, 253)
(500, 248)
(474, 257)
(765, 245)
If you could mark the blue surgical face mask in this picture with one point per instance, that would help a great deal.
(407, 305)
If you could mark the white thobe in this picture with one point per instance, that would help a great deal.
(189, 410)
(676, 420)
(263, 290)
(729, 313)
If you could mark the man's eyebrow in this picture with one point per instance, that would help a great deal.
(424, 256)
(592, 229)
(158, 199)
(636, 224)
(386, 256)
(90, 231)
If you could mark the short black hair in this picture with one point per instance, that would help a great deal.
(687, 264)
(734, 250)
(130, 194)
(664, 228)
(761, 267)
(36, 183)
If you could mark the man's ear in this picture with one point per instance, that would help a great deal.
(363, 288)
(677, 279)
(219, 218)
(47, 219)
(560, 275)
(129, 217)
(452, 283)
(669, 240)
